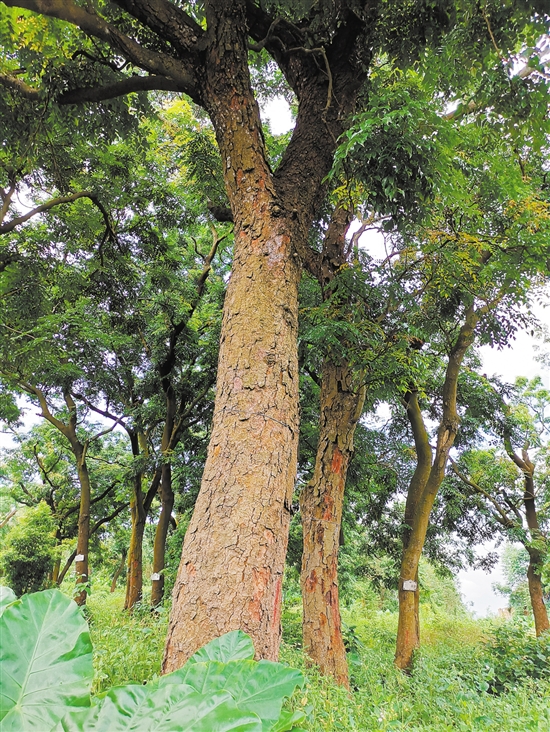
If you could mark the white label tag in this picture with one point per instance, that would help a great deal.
(79, 558)
(155, 576)
(410, 585)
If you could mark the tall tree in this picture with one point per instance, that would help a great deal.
(509, 490)
(233, 555)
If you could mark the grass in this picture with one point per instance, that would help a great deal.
(446, 692)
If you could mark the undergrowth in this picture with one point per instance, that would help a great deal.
(452, 687)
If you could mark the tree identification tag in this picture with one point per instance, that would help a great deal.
(79, 558)
(410, 585)
(155, 576)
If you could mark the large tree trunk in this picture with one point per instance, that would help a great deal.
(159, 548)
(321, 511)
(230, 575)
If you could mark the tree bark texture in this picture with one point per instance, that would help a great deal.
(424, 487)
(232, 564)
(321, 510)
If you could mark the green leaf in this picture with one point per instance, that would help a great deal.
(288, 720)
(7, 596)
(171, 708)
(258, 687)
(46, 660)
(232, 646)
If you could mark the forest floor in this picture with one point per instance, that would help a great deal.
(469, 674)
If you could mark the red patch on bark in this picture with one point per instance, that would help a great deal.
(191, 569)
(329, 506)
(311, 582)
(337, 461)
(260, 581)
(239, 177)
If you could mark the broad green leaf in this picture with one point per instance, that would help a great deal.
(46, 661)
(171, 708)
(258, 687)
(7, 596)
(232, 646)
(288, 720)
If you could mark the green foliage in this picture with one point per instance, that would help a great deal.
(47, 672)
(28, 550)
(46, 661)
(516, 655)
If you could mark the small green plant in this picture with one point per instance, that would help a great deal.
(28, 552)
(46, 659)
(517, 655)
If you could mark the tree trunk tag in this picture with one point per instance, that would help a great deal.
(410, 585)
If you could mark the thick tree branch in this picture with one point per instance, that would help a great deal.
(18, 85)
(11, 225)
(119, 88)
(94, 25)
(168, 21)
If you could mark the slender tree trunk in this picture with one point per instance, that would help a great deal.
(425, 490)
(159, 549)
(134, 578)
(55, 570)
(536, 592)
(83, 540)
(119, 569)
(66, 567)
(321, 510)
(409, 599)
(536, 556)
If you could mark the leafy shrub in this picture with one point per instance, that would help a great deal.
(28, 553)
(47, 673)
(517, 655)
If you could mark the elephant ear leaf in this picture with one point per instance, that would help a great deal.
(7, 596)
(233, 646)
(46, 661)
(172, 708)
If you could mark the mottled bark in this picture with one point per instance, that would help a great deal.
(321, 511)
(230, 575)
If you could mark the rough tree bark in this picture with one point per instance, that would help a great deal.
(321, 510)
(233, 556)
(341, 402)
(232, 564)
(424, 487)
